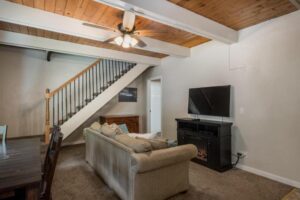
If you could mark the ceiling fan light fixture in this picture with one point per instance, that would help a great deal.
(126, 41)
(133, 42)
(125, 45)
(119, 40)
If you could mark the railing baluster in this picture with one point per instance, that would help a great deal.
(70, 95)
(66, 98)
(53, 111)
(99, 71)
(78, 92)
(108, 67)
(93, 82)
(82, 94)
(57, 108)
(86, 87)
(106, 73)
(119, 69)
(113, 70)
(74, 95)
(123, 67)
(89, 83)
(103, 73)
(96, 79)
(62, 110)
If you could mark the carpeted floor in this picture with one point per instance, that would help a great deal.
(293, 195)
(74, 179)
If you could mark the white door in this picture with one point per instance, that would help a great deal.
(155, 106)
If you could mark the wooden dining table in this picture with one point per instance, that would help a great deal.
(20, 167)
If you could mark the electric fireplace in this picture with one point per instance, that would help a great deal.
(212, 139)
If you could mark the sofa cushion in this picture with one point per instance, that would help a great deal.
(156, 143)
(136, 145)
(96, 126)
(108, 130)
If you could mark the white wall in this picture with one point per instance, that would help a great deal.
(155, 106)
(114, 107)
(264, 71)
(24, 76)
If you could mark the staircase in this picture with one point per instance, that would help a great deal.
(76, 100)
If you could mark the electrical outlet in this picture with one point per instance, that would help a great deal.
(242, 154)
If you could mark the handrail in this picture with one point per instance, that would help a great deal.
(52, 93)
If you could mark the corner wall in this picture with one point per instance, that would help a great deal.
(24, 76)
(264, 71)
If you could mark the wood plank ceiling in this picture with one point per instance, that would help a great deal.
(238, 14)
(91, 11)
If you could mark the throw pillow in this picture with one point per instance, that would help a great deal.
(96, 126)
(124, 128)
(172, 143)
(136, 145)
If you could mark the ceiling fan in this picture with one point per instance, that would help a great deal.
(128, 35)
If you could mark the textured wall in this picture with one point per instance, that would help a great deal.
(263, 69)
(24, 76)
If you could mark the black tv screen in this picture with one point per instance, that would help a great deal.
(213, 101)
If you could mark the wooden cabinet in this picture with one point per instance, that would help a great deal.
(132, 121)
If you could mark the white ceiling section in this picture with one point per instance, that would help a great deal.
(23, 15)
(28, 41)
(170, 14)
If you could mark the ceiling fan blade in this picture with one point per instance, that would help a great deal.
(140, 43)
(128, 20)
(99, 26)
(110, 40)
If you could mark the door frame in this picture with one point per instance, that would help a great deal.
(149, 102)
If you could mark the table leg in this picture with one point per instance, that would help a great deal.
(33, 192)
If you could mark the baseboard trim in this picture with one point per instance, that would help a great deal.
(269, 175)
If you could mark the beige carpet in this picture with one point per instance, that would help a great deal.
(74, 179)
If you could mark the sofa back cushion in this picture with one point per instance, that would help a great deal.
(136, 145)
(156, 143)
(110, 130)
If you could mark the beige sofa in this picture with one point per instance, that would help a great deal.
(154, 175)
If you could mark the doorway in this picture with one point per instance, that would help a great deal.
(155, 100)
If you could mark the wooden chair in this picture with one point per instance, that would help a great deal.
(50, 163)
(3, 132)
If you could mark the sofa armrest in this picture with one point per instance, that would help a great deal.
(142, 162)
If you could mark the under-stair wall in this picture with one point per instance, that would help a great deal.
(71, 104)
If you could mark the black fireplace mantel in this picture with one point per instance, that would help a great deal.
(212, 138)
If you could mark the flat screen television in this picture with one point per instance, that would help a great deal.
(214, 101)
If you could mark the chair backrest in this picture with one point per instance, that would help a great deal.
(50, 163)
(3, 132)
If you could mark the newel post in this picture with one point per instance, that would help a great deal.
(47, 118)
